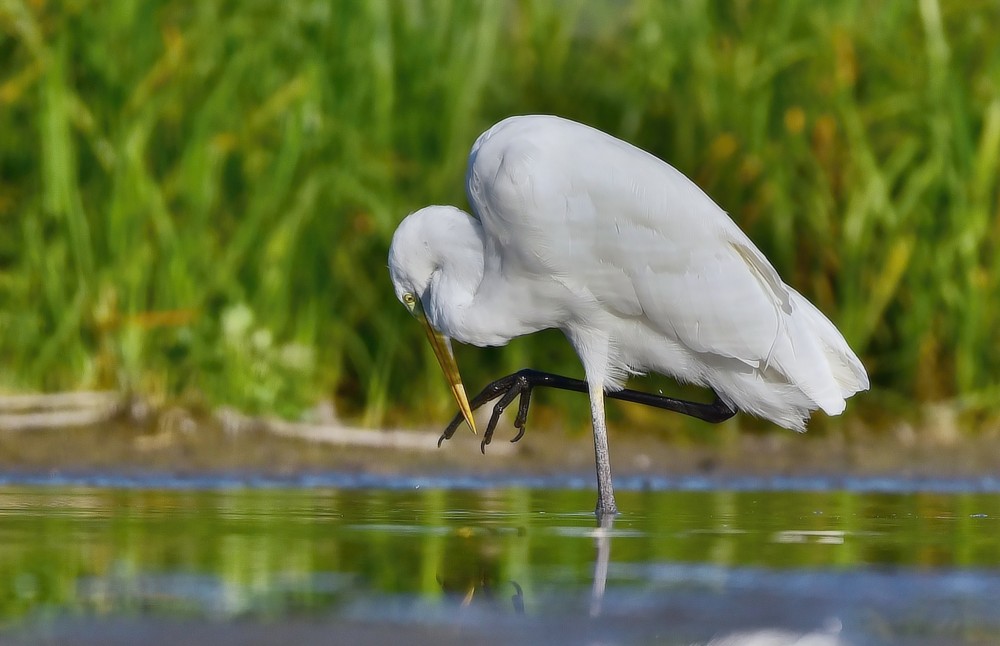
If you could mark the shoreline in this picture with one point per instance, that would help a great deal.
(175, 442)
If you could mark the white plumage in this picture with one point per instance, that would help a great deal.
(577, 230)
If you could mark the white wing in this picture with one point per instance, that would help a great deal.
(618, 226)
(565, 200)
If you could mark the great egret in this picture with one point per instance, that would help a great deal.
(577, 230)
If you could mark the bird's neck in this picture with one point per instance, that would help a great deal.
(454, 284)
(474, 302)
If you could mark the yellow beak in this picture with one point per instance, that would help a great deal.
(442, 350)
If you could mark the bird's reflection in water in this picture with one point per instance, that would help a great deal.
(602, 543)
(485, 585)
(485, 589)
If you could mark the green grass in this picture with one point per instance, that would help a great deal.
(197, 198)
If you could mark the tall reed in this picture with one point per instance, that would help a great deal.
(198, 198)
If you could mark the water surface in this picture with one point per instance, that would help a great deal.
(161, 562)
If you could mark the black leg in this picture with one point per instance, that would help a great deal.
(522, 382)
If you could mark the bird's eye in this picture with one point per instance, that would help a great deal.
(409, 299)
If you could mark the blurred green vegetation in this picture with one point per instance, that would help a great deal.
(197, 198)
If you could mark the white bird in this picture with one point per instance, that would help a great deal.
(577, 230)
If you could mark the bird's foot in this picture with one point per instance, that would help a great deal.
(606, 509)
(507, 389)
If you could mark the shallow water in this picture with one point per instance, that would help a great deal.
(337, 560)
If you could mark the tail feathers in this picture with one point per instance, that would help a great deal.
(811, 366)
(817, 362)
(807, 365)
(783, 404)
(845, 366)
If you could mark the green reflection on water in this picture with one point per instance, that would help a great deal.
(271, 551)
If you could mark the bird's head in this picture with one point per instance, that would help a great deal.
(413, 262)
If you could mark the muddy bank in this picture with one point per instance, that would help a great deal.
(176, 441)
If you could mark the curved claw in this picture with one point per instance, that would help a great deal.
(449, 431)
(488, 435)
(506, 389)
(521, 420)
(515, 389)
